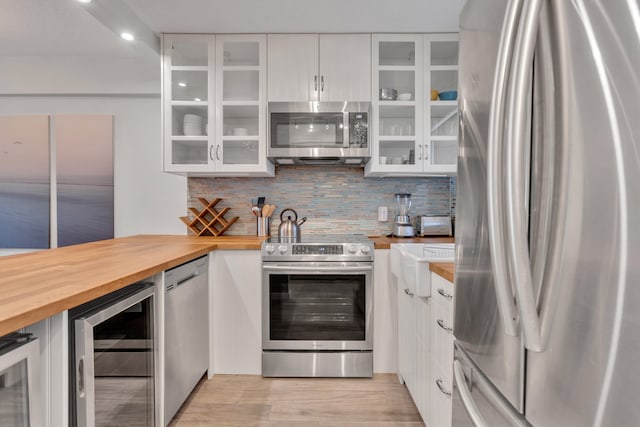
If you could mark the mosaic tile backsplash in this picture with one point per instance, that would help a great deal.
(334, 200)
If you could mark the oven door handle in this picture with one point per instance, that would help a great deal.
(333, 269)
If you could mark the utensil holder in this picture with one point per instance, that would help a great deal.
(262, 226)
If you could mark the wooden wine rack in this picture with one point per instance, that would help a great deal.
(208, 221)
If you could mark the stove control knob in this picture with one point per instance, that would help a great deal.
(282, 249)
(365, 250)
(352, 249)
(270, 249)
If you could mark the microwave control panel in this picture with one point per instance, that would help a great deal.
(358, 130)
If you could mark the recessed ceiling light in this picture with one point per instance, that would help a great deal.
(182, 84)
(84, 1)
(127, 36)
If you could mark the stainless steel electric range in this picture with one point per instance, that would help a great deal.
(317, 307)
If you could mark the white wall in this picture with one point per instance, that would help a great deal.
(147, 201)
(71, 75)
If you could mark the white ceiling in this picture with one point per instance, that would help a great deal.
(63, 27)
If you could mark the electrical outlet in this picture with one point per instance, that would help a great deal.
(383, 214)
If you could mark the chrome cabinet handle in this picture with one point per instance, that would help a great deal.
(218, 152)
(81, 377)
(516, 219)
(447, 329)
(408, 292)
(442, 389)
(315, 83)
(495, 148)
(444, 294)
(211, 152)
(426, 151)
(321, 83)
(420, 151)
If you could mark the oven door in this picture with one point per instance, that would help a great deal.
(317, 306)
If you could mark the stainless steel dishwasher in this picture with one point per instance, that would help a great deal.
(186, 332)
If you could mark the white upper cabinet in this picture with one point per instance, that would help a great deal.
(214, 105)
(397, 106)
(440, 151)
(241, 99)
(345, 67)
(326, 67)
(188, 102)
(292, 67)
(411, 134)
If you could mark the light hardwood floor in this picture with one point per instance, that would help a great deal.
(248, 400)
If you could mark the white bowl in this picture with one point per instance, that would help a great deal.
(405, 97)
(192, 118)
(239, 132)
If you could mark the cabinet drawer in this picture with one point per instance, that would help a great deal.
(442, 288)
(443, 294)
(443, 344)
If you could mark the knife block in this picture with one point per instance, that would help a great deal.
(208, 221)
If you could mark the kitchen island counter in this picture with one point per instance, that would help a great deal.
(40, 284)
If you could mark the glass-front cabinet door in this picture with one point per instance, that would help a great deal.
(415, 110)
(241, 104)
(188, 98)
(441, 119)
(397, 104)
(214, 99)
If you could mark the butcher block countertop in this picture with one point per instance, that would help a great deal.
(383, 242)
(37, 285)
(444, 269)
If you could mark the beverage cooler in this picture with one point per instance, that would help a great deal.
(19, 376)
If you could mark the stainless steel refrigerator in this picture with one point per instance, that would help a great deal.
(547, 315)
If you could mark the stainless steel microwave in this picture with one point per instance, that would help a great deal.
(319, 133)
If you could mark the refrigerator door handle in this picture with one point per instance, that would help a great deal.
(516, 218)
(465, 396)
(495, 193)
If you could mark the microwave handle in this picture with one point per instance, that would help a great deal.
(346, 126)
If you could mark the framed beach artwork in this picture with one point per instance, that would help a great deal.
(84, 178)
(64, 162)
(24, 182)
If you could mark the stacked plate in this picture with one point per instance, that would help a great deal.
(192, 125)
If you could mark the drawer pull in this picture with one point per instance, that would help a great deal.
(440, 323)
(441, 387)
(444, 294)
(408, 292)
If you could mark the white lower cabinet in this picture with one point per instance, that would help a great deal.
(236, 324)
(385, 318)
(414, 347)
(442, 294)
(52, 333)
(425, 347)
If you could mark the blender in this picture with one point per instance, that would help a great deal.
(403, 227)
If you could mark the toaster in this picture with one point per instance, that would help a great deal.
(434, 226)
